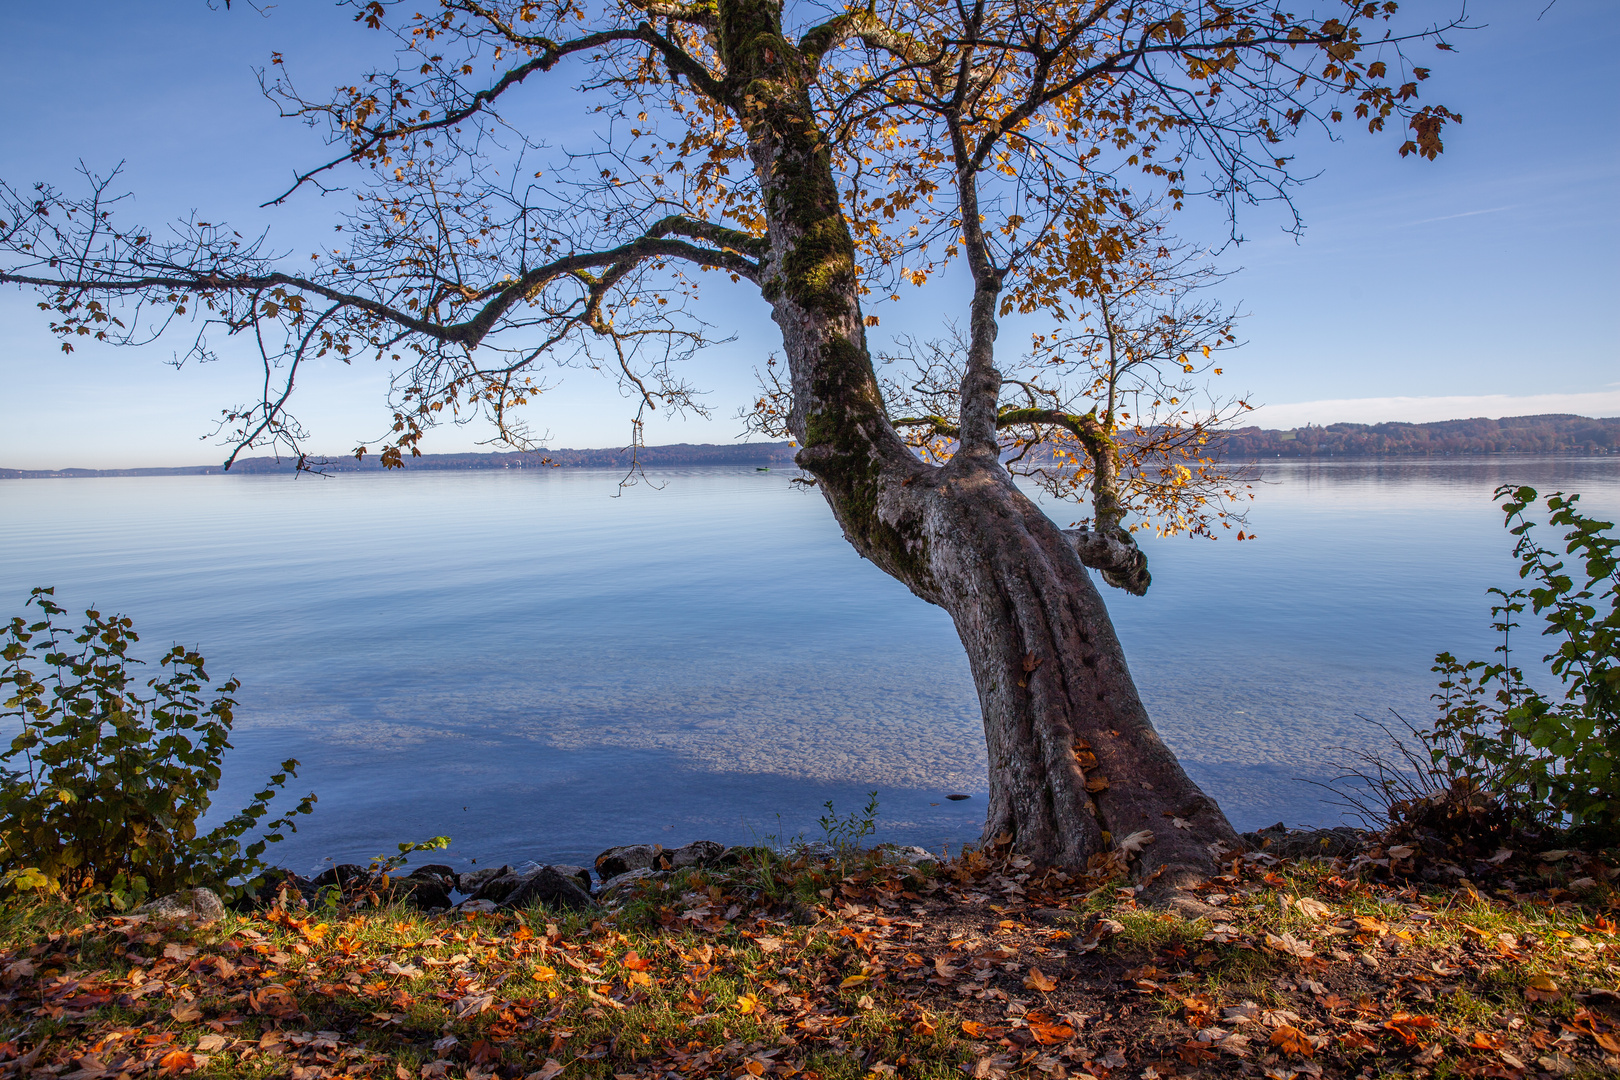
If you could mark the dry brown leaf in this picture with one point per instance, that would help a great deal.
(1542, 988)
(1312, 907)
(1039, 980)
(1288, 943)
(273, 999)
(473, 1004)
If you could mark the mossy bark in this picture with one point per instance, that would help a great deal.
(1060, 709)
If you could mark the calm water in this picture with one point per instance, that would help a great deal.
(538, 669)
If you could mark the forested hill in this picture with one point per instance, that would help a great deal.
(1554, 433)
(678, 454)
(1550, 434)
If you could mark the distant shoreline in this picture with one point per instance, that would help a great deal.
(1552, 435)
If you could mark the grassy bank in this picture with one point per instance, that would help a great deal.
(979, 968)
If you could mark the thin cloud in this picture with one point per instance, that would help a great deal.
(1466, 213)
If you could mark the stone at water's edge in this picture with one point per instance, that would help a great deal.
(425, 892)
(203, 905)
(621, 860)
(578, 873)
(497, 887)
(473, 880)
(697, 853)
(1279, 841)
(616, 887)
(547, 886)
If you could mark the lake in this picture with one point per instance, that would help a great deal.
(539, 669)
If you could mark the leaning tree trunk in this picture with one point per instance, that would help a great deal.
(1075, 765)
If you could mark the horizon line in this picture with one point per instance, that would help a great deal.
(337, 460)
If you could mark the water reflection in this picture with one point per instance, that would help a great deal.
(538, 669)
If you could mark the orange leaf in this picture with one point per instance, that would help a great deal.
(633, 962)
(1291, 1040)
(1050, 1034)
(1408, 1026)
(273, 1000)
(177, 1061)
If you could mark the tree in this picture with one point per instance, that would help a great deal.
(826, 158)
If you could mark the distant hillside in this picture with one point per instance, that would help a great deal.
(675, 455)
(1555, 433)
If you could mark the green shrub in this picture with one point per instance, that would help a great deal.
(104, 784)
(1551, 760)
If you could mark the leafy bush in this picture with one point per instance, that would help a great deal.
(1550, 760)
(103, 786)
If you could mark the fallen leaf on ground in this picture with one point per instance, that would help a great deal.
(1047, 1032)
(1541, 988)
(473, 1004)
(1291, 1040)
(550, 1069)
(1039, 980)
(1288, 943)
(1408, 1026)
(273, 1000)
(1313, 907)
(176, 1061)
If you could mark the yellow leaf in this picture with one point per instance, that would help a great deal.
(853, 980)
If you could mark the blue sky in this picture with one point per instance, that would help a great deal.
(1483, 284)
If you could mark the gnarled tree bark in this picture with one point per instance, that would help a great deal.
(1075, 764)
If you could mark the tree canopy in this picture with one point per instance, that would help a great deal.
(1046, 145)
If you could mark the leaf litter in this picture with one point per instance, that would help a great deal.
(984, 967)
